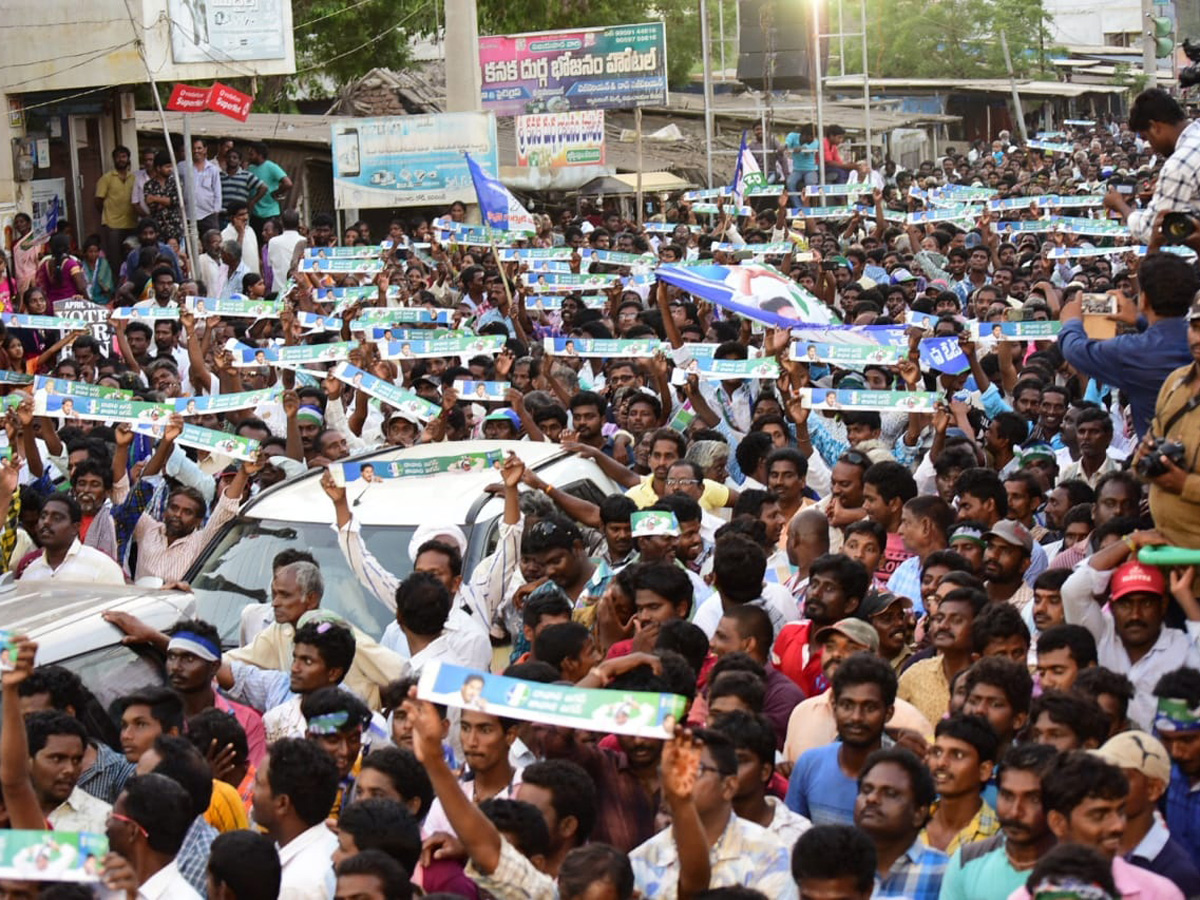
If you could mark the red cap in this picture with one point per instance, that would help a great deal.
(1133, 578)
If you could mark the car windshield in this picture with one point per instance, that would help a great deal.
(236, 571)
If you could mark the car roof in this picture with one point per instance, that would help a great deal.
(64, 617)
(449, 497)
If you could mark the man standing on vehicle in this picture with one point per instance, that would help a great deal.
(475, 601)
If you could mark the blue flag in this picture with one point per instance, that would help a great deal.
(501, 210)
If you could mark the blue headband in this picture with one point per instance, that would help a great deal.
(197, 645)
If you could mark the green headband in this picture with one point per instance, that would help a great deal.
(1175, 715)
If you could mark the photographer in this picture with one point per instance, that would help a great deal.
(1171, 471)
(1161, 122)
(1138, 363)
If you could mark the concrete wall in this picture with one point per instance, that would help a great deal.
(1075, 23)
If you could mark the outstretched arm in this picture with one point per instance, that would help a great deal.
(24, 811)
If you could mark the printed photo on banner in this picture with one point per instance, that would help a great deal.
(100, 409)
(133, 314)
(721, 369)
(302, 354)
(879, 401)
(1016, 331)
(75, 856)
(373, 251)
(49, 323)
(385, 470)
(757, 292)
(847, 354)
(550, 302)
(601, 347)
(221, 442)
(315, 323)
(317, 265)
(354, 292)
(78, 388)
(437, 347)
(245, 357)
(405, 403)
(526, 254)
(408, 315)
(483, 391)
(237, 308)
(194, 406)
(638, 713)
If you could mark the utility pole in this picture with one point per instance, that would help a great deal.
(463, 84)
(706, 62)
(1149, 45)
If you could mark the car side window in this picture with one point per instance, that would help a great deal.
(116, 671)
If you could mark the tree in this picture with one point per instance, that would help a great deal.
(953, 38)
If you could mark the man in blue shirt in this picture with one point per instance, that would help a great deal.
(1139, 363)
(1178, 727)
(824, 784)
(895, 791)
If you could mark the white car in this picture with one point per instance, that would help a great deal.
(64, 619)
(235, 569)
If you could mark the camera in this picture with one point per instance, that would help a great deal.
(1190, 76)
(1177, 227)
(1150, 466)
(1123, 184)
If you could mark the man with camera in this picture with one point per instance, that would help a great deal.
(1168, 453)
(1160, 121)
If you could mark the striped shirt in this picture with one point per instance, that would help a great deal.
(169, 561)
(238, 188)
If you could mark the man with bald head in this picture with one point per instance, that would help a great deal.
(807, 538)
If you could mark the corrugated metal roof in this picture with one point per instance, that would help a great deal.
(976, 85)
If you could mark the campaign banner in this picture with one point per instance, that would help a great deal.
(1050, 146)
(406, 403)
(133, 314)
(721, 369)
(618, 257)
(368, 472)
(100, 409)
(836, 190)
(776, 248)
(683, 417)
(50, 323)
(479, 236)
(219, 403)
(1068, 225)
(364, 251)
(552, 302)
(555, 140)
(590, 68)
(340, 266)
(1048, 201)
(943, 354)
(567, 282)
(638, 713)
(304, 354)
(526, 254)
(236, 308)
(964, 194)
(410, 160)
(669, 227)
(210, 439)
(928, 321)
(600, 348)
(856, 355)
(489, 345)
(956, 213)
(224, 33)
(388, 333)
(7, 377)
(1080, 252)
(354, 292)
(1016, 331)
(403, 315)
(78, 388)
(546, 265)
(483, 391)
(758, 292)
(314, 323)
(880, 401)
(75, 856)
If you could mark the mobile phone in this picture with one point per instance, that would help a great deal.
(1099, 304)
(346, 152)
(828, 265)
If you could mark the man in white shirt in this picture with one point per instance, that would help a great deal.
(294, 789)
(239, 230)
(64, 557)
(145, 831)
(431, 631)
(1131, 637)
(281, 247)
(57, 743)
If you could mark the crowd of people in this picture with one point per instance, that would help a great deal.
(924, 652)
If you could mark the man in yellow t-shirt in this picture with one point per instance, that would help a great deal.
(114, 202)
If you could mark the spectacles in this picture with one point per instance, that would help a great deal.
(705, 768)
(856, 458)
(133, 822)
(681, 482)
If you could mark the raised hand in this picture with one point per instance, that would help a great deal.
(21, 661)
(512, 469)
(426, 728)
(680, 765)
(290, 401)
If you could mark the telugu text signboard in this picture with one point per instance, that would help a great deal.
(410, 160)
(554, 140)
(617, 67)
(207, 31)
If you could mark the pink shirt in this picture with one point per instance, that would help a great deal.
(251, 722)
(65, 289)
(1132, 881)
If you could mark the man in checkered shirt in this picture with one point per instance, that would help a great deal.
(1159, 120)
